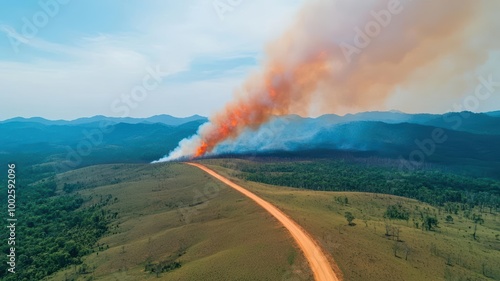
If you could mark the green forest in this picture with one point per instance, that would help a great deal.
(438, 188)
(53, 230)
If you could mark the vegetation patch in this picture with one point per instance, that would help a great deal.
(57, 230)
(431, 186)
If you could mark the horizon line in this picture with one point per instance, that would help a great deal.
(201, 116)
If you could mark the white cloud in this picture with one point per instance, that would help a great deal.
(82, 78)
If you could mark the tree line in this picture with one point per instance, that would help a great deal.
(437, 188)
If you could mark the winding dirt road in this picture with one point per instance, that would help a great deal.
(318, 261)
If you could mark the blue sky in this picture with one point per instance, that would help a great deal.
(67, 59)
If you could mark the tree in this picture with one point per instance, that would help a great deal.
(449, 219)
(349, 217)
(72, 248)
(84, 268)
(430, 222)
(397, 212)
(477, 219)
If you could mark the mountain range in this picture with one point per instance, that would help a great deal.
(471, 139)
(164, 119)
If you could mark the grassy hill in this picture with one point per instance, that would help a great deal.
(173, 221)
(170, 215)
(173, 213)
(365, 252)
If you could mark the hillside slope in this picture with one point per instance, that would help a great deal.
(172, 213)
(370, 250)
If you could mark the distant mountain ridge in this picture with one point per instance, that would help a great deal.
(365, 131)
(482, 123)
(471, 138)
(494, 113)
(462, 121)
(164, 119)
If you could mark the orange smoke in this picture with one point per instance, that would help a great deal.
(271, 97)
(422, 56)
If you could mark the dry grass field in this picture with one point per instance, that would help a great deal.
(169, 213)
(175, 213)
(364, 252)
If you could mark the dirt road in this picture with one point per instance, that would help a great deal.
(318, 262)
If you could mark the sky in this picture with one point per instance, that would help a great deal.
(65, 59)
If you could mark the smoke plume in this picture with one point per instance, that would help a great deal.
(347, 56)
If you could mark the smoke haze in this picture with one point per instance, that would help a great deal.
(349, 56)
